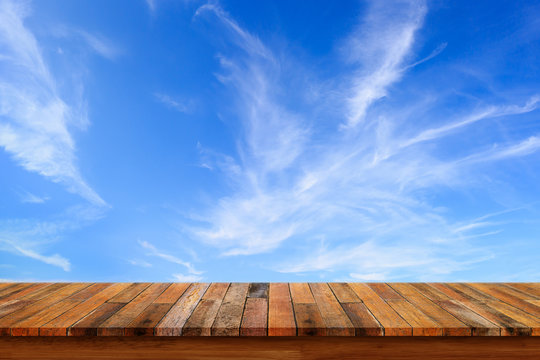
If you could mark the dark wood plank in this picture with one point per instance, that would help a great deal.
(309, 321)
(393, 324)
(114, 326)
(146, 321)
(363, 321)
(509, 326)
(254, 319)
(229, 315)
(59, 326)
(280, 311)
(335, 318)
(88, 325)
(258, 290)
(8, 321)
(175, 319)
(450, 325)
(201, 320)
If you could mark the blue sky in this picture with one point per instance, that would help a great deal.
(269, 140)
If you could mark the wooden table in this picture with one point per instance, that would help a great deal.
(269, 320)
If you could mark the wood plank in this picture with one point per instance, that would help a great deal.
(6, 322)
(393, 324)
(31, 325)
(201, 320)
(479, 325)
(44, 292)
(524, 295)
(421, 324)
(509, 326)
(88, 325)
(22, 292)
(335, 318)
(60, 325)
(13, 290)
(174, 321)
(301, 293)
(509, 296)
(254, 319)
(518, 315)
(172, 294)
(309, 321)
(344, 293)
(229, 315)
(450, 325)
(114, 326)
(529, 288)
(363, 321)
(280, 311)
(143, 325)
(129, 293)
(258, 290)
(274, 348)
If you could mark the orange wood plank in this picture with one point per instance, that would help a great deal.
(393, 324)
(12, 319)
(59, 326)
(173, 322)
(114, 326)
(129, 293)
(528, 288)
(335, 318)
(229, 316)
(509, 296)
(301, 293)
(450, 325)
(280, 311)
(22, 292)
(172, 294)
(344, 293)
(201, 320)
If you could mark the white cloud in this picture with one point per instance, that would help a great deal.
(55, 259)
(141, 263)
(100, 45)
(174, 103)
(351, 200)
(186, 278)
(34, 120)
(29, 198)
(168, 257)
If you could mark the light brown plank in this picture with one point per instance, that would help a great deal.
(13, 289)
(335, 318)
(344, 293)
(229, 315)
(393, 324)
(280, 311)
(174, 321)
(254, 319)
(201, 320)
(509, 296)
(450, 325)
(529, 288)
(114, 326)
(301, 293)
(59, 326)
(43, 292)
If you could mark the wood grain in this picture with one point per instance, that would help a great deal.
(201, 320)
(336, 320)
(229, 316)
(280, 311)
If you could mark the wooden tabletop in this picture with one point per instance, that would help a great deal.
(270, 309)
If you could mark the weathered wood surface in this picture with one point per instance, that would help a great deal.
(270, 309)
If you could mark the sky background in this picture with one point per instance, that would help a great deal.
(269, 140)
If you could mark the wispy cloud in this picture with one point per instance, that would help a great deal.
(338, 195)
(29, 198)
(55, 259)
(186, 278)
(183, 106)
(35, 121)
(168, 257)
(141, 263)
